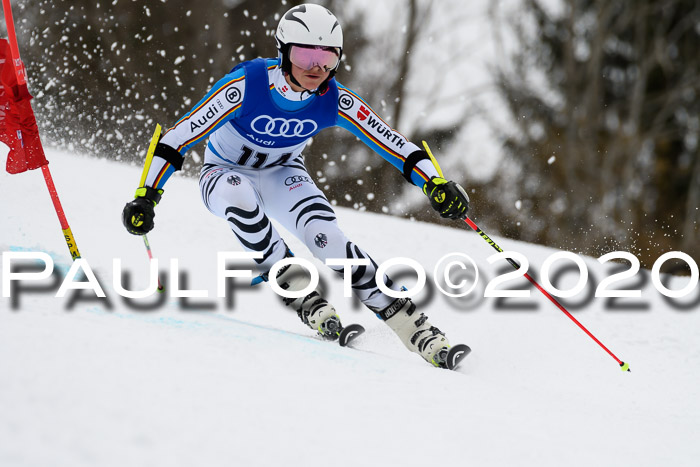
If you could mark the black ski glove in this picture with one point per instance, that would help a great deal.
(447, 198)
(138, 214)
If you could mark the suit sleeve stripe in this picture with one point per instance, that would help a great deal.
(205, 102)
(372, 138)
(368, 106)
(421, 174)
(162, 172)
(382, 146)
(198, 138)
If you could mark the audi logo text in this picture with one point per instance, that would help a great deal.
(282, 127)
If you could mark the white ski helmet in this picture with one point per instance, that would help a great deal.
(308, 24)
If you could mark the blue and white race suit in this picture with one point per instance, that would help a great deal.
(254, 169)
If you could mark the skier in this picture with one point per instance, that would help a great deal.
(258, 119)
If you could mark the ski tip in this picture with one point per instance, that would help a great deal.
(456, 354)
(349, 333)
(625, 367)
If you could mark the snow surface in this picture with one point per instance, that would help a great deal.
(88, 382)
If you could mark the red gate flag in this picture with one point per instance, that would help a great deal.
(18, 128)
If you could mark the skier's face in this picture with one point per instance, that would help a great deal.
(309, 79)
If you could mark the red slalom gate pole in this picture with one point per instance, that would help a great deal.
(12, 36)
(67, 233)
(624, 366)
(21, 74)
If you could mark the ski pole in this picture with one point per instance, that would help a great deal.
(21, 74)
(624, 366)
(147, 164)
(150, 258)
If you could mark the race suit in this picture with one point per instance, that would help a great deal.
(254, 168)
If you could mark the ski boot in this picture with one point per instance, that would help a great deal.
(313, 309)
(416, 333)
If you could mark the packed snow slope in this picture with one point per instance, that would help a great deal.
(163, 381)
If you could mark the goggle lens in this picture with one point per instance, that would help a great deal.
(307, 57)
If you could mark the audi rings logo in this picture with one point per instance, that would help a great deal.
(293, 180)
(282, 127)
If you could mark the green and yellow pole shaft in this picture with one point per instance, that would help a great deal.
(142, 183)
(149, 155)
(624, 366)
(21, 74)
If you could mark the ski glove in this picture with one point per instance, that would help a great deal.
(138, 214)
(447, 198)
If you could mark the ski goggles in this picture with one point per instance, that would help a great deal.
(307, 57)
